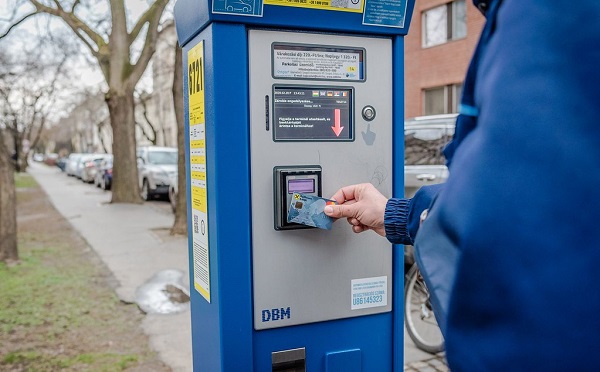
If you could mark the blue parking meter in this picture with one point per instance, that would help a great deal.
(286, 98)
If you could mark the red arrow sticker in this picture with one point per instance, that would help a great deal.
(337, 129)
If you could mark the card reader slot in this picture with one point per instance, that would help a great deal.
(305, 179)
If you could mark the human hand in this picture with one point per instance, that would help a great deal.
(362, 205)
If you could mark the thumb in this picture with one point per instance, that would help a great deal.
(339, 211)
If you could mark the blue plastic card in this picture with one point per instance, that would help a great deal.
(308, 210)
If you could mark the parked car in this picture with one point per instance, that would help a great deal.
(39, 157)
(90, 167)
(424, 140)
(50, 159)
(81, 164)
(104, 175)
(72, 161)
(155, 165)
(62, 163)
(173, 191)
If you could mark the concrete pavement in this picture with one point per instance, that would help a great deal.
(134, 243)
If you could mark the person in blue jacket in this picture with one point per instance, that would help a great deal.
(510, 245)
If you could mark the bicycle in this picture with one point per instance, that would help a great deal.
(418, 314)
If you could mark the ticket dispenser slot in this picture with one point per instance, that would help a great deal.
(293, 360)
(286, 181)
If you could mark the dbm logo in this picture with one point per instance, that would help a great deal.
(276, 314)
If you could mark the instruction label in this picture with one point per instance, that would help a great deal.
(355, 6)
(197, 159)
(369, 292)
(388, 13)
(318, 62)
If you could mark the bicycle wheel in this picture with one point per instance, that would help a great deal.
(418, 314)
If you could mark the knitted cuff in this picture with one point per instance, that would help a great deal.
(396, 221)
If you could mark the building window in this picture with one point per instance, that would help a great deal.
(441, 100)
(445, 22)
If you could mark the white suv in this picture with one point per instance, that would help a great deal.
(155, 166)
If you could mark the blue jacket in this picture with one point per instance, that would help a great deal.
(511, 245)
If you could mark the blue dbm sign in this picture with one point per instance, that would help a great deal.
(276, 314)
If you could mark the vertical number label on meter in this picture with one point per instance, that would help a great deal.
(195, 76)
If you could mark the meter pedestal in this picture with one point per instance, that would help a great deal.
(280, 101)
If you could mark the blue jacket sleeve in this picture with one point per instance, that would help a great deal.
(402, 216)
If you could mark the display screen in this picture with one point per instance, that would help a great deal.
(318, 62)
(303, 186)
(313, 114)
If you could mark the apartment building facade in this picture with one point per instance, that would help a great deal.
(438, 49)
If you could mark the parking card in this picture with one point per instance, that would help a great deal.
(308, 210)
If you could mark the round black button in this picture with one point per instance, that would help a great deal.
(368, 113)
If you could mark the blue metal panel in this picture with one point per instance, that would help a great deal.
(193, 15)
(371, 334)
(398, 190)
(346, 360)
(222, 330)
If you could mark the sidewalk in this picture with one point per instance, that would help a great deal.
(134, 243)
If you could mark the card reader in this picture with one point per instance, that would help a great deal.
(304, 179)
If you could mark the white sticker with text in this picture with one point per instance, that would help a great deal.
(369, 292)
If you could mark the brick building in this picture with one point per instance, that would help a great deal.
(438, 48)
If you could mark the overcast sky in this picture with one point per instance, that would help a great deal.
(85, 71)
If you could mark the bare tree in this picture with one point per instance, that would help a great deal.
(112, 45)
(27, 100)
(180, 224)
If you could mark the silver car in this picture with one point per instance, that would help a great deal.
(71, 164)
(424, 140)
(90, 167)
(155, 167)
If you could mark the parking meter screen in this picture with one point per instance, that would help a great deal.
(312, 114)
(303, 186)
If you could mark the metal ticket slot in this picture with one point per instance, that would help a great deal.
(285, 97)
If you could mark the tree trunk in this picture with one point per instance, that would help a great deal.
(17, 145)
(125, 187)
(24, 164)
(180, 224)
(8, 209)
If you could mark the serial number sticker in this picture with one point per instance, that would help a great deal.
(369, 292)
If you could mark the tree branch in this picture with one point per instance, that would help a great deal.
(38, 134)
(145, 133)
(76, 24)
(147, 118)
(77, 2)
(16, 24)
(155, 12)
